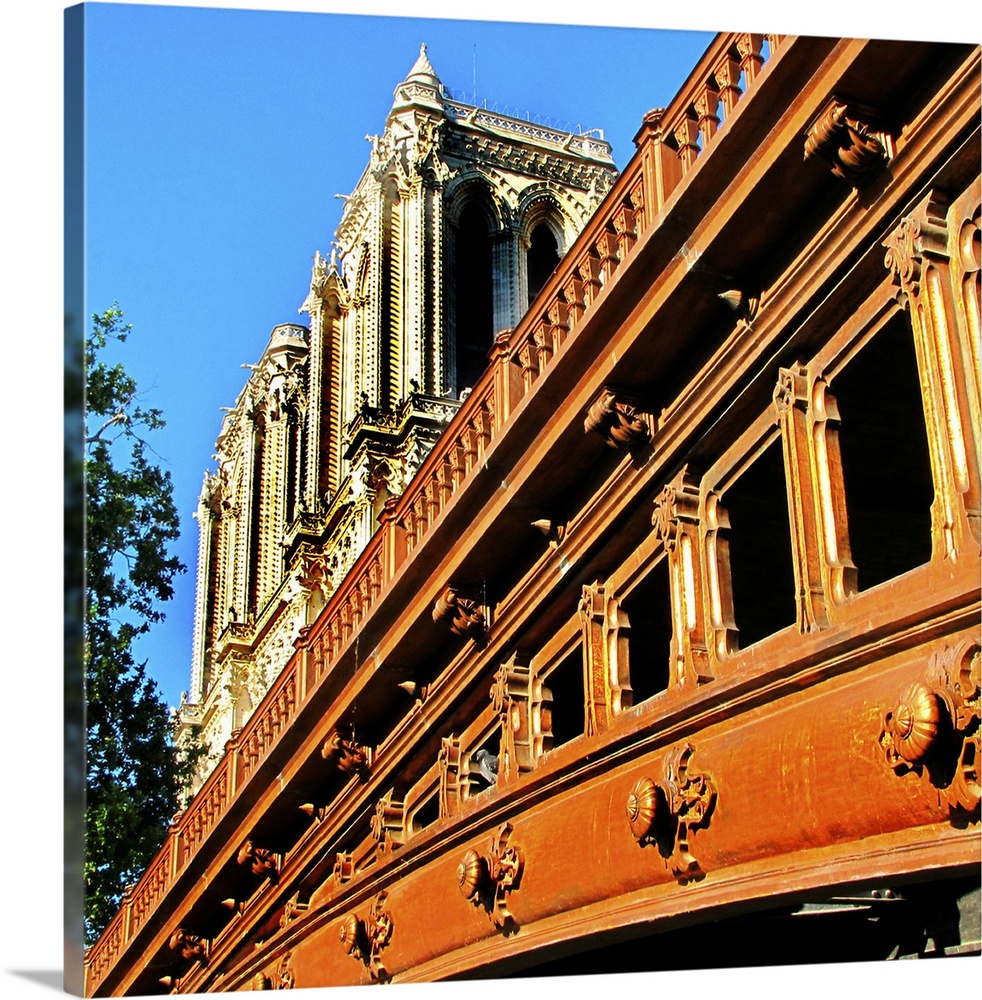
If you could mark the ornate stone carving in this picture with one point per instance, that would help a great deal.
(262, 863)
(364, 939)
(617, 422)
(463, 614)
(496, 155)
(484, 881)
(666, 813)
(312, 571)
(933, 730)
(348, 756)
(190, 947)
(843, 136)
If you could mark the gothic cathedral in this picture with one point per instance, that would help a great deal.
(458, 220)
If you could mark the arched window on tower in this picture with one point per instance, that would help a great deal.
(473, 296)
(543, 256)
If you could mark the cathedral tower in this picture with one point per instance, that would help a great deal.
(457, 221)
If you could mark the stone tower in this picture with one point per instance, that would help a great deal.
(457, 221)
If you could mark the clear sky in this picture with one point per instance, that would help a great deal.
(216, 142)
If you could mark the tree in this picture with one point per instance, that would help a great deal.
(133, 770)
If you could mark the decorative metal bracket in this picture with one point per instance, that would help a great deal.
(666, 813)
(348, 756)
(262, 863)
(616, 421)
(191, 947)
(344, 867)
(365, 939)
(845, 137)
(463, 614)
(934, 728)
(389, 822)
(485, 880)
(282, 979)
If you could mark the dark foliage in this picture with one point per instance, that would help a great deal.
(133, 770)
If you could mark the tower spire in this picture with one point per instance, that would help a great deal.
(422, 71)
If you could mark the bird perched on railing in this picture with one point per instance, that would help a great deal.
(487, 765)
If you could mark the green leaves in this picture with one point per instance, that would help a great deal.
(133, 773)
